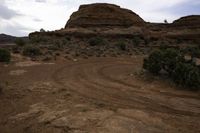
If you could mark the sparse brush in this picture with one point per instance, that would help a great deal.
(31, 51)
(5, 55)
(15, 49)
(122, 45)
(172, 61)
(136, 41)
(1, 89)
(20, 42)
(96, 41)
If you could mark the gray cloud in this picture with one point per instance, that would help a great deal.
(42, 1)
(14, 28)
(7, 13)
(37, 20)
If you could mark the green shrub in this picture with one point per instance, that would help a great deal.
(42, 30)
(122, 45)
(38, 39)
(170, 58)
(1, 89)
(31, 51)
(15, 49)
(96, 41)
(154, 62)
(5, 55)
(57, 46)
(172, 61)
(67, 38)
(136, 41)
(20, 42)
(193, 51)
(187, 75)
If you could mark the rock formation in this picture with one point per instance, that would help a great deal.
(103, 15)
(113, 22)
(192, 21)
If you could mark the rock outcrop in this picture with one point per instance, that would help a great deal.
(103, 15)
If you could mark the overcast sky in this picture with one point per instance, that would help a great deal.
(20, 17)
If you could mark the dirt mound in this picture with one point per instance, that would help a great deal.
(103, 15)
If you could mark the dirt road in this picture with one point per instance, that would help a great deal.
(99, 95)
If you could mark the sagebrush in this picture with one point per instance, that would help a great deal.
(5, 55)
(173, 62)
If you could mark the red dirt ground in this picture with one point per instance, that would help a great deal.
(96, 95)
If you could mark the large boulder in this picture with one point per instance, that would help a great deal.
(103, 15)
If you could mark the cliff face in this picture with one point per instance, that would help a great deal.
(103, 15)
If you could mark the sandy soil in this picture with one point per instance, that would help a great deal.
(97, 95)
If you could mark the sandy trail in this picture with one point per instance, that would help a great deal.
(106, 81)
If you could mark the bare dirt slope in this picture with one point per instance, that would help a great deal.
(99, 95)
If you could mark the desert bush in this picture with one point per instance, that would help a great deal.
(31, 51)
(178, 41)
(42, 30)
(96, 41)
(170, 58)
(65, 42)
(193, 51)
(1, 89)
(67, 38)
(20, 42)
(5, 55)
(15, 49)
(136, 41)
(38, 39)
(122, 45)
(59, 45)
(172, 61)
(154, 62)
(187, 75)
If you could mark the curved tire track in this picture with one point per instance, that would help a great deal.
(91, 81)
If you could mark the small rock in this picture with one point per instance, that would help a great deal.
(75, 60)
(131, 75)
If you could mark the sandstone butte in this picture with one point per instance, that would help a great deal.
(104, 15)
